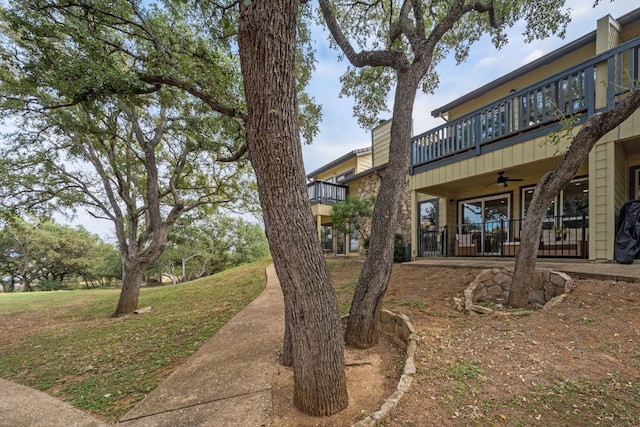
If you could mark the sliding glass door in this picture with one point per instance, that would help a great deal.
(486, 219)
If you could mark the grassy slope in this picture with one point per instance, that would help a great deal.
(64, 342)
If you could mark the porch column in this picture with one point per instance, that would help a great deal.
(414, 225)
(319, 227)
(602, 200)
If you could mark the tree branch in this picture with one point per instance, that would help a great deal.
(384, 58)
(454, 14)
(203, 96)
(594, 128)
(234, 156)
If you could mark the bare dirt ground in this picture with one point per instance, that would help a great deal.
(372, 376)
(576, 365)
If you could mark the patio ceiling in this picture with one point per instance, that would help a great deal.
(486, 183)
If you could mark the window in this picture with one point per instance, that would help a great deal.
(428, 212)
(487, 220)
(353, 239)
(573, 200)
(526, 201)
(634, 182)
(428, 227)
(344, 176)
(326, 237)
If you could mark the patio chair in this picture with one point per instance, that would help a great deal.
(465, 245)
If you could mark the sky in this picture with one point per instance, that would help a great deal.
(339, 131)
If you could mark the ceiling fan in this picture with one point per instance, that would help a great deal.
(502, 180)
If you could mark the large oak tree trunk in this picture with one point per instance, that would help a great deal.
(363, 326)
(267, 46)
(132, 275)
(550, 186)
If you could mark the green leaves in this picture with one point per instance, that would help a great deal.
(393, 40)
(47, 252)
(352, 215)
(370, 87)
(201, 247)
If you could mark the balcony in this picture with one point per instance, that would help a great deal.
(532, 112)
(326, 193)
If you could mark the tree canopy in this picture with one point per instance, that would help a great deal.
(111, 115)
(47, 254)
(207, 246)
(384, 40)
(125, 68)
(353, 216)
(398, 44)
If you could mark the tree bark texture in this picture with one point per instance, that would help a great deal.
(552, 183)
(136, 260)
(287, 344)
(267, 47)
(132, 274)
(363, 327)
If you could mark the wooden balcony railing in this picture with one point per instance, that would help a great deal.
(326, 193)
(533, 111)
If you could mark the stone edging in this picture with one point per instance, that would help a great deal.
(404, 334)
(549, 288)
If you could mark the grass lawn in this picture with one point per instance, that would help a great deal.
(65, 343)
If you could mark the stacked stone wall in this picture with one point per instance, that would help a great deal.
(493, 286)
(370, 186)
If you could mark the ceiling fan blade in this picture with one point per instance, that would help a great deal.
(502, 180)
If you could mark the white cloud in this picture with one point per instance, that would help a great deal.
(485, 62)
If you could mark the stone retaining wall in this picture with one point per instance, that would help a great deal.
(493, 286)
(370, 186)
(404, 334)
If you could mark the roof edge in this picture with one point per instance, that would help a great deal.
(370, 171)
(350, 155)
(588, 38)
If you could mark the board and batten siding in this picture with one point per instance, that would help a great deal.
(364, 163)
(621, 178)
(608, 183)
(600, 200)
(380, 138)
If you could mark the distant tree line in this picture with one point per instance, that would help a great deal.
(201, 248)
(44, 255)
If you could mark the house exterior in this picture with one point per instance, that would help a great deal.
(471, 179)
(356, 173)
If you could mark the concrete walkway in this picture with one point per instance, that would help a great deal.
(227, 382)
(22, 406)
